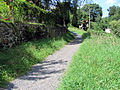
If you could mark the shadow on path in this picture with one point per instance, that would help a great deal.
(40, 72)
(78, 39)
(50, 68)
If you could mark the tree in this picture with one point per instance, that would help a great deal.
(77, 14)
(75, 20)
(112, 10)
(62, 13)
(95, 10)
(114, 13)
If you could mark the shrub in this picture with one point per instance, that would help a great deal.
(115, 26)
(95, 26)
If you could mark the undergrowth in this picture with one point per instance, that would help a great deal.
(16, 61)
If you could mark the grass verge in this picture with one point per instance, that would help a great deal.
(17, 61)
(96, 65)
(77, 30)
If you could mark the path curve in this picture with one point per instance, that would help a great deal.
(47, 74)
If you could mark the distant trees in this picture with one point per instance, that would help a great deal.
(114, 12)
(95, 10)
(62, 13)
(81, 15)
(76, 11)
(114, 19)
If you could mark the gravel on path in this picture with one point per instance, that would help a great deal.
(47, 74)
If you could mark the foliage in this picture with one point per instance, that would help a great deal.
(115, 26)
(17, 61)
(100, 25)
(104, 23)
(4, 10)
(61, 12)
(82, 15)
(96, 65)
(112, 10)
(28, 11)
(114, 13)
(95, 10)
(75, 20)
(95, 26)
(74, 12)
(40, 11)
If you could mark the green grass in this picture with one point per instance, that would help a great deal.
(77, 30)
(95, 66)
(17, 61)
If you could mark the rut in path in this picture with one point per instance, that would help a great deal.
(47, 74)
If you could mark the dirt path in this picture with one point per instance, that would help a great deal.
(47, 74)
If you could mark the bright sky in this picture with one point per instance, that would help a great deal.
(105, 4)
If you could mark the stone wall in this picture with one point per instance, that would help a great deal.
(11, 35)
(8, 36)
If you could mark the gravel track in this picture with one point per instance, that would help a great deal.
(47, 74)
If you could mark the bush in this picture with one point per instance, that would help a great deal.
(115, 26)
(99, 26)
(95, 26)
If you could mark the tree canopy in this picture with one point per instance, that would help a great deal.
(114, 12)
(95, 10)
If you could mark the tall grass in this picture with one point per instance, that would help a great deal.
(95, 66)
(17, 61)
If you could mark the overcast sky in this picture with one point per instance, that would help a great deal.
(105, 4)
